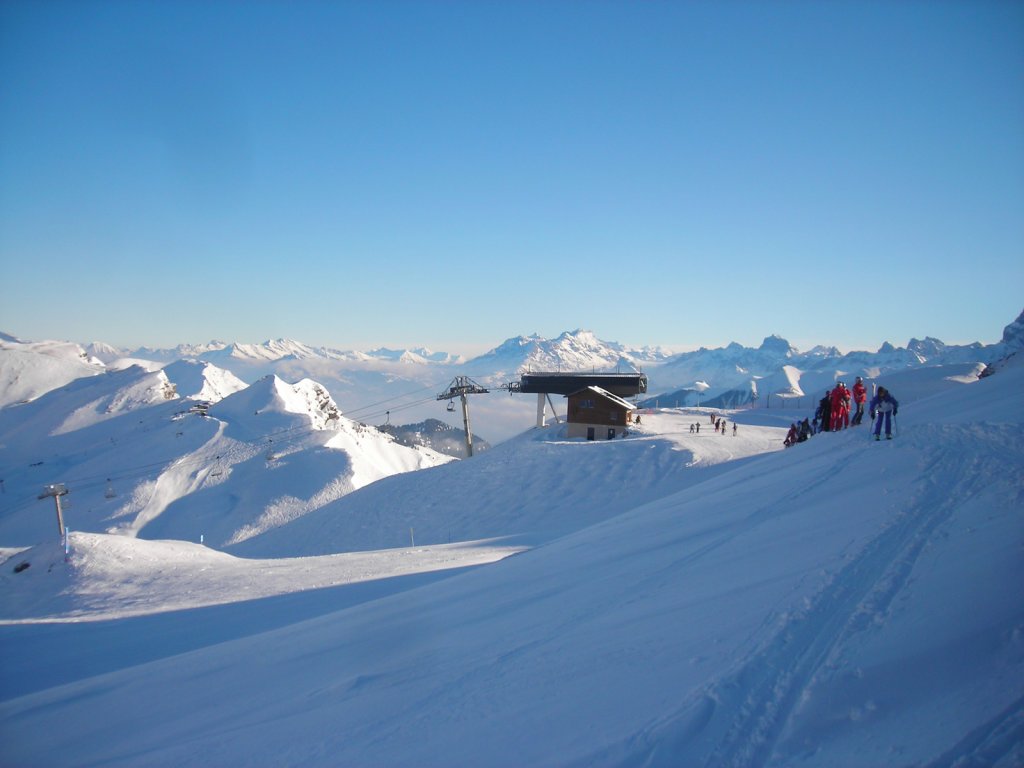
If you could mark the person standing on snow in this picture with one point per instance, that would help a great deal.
(860, 396)
(885, 406)
(840, 407)
(824, 411)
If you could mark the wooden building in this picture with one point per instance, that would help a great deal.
(597, 414)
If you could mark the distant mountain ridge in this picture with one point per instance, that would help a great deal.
(725, 376)
(581, 350)
(735, 375)
(272, 350)
(578, 350)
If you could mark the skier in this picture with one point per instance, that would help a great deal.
(885, 406)
(805, 431)
(791, 436)
(823, 414)
(840, 407)
(860, 396)
(734, 429)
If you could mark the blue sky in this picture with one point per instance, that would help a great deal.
(451, 174)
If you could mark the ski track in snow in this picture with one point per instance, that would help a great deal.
(737, 721)
(998, 742)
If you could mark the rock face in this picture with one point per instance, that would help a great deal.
(1013, 334)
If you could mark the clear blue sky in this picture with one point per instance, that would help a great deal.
(450, 174)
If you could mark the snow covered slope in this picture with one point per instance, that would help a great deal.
(840, 603)
(139, 460)
(530, 489)
(30, 369)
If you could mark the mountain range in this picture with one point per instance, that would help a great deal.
(731, 376)
(378, 385)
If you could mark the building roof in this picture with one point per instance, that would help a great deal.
(606, 395)
(566, 383)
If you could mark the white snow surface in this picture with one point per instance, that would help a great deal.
(689, 599)
(140, 460)
(30, 369)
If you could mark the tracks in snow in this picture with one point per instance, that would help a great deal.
(763, 692)
(739, 719)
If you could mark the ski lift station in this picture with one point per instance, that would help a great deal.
(609, 386)
(546, 384)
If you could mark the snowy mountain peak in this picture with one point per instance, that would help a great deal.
(1013, 334)
(776, 345)
(928, 348)
(578, 350)
(278, 349)
(276, 401)
(580, 336)
(30, 369)
(103, 351)
(416, 356)
(200, 380)
(820, 350)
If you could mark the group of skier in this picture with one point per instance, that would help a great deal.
(717, 422)
(833, 412)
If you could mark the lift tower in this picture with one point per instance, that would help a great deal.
(57, 490)
(462, 386)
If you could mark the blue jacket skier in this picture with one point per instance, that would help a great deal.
(885, 406)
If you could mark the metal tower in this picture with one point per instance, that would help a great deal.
(462, 386)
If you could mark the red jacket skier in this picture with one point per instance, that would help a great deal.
(860, 396)
(840, 407)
